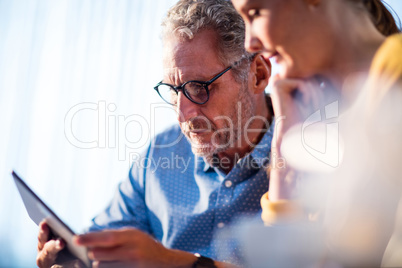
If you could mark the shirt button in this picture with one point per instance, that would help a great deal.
(228, 184)
(221, 225)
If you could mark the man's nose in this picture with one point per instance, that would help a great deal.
(185, 108)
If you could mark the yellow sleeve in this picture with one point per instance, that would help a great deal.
(386, 69)
(280, 211)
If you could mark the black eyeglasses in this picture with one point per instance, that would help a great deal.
(195, 91)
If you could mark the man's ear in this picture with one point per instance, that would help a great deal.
(261, 72)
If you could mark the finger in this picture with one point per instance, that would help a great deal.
(282, 97)
(47, 256)
(43, 235)
(287, 96)
(310, 97)
(286, 86)
(106, 238)
(111, 254)
(97, 239)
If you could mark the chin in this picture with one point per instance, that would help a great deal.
(207, 150)
(202, 150)
(209, 146)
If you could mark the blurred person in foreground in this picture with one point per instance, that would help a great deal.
(339, 83)
(181, 190)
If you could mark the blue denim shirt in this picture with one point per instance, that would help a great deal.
(180, 199)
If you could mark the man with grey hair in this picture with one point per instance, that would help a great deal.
(166, 215)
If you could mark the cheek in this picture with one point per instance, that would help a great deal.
(213, 116)
(272, 33)
(223, 101)
(308, 58)
(220, 115)
(264, 31)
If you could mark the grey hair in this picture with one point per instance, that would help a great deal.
(189, 17)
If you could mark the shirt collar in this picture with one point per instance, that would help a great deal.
(206, 165)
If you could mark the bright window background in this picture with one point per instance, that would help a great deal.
(75, 74)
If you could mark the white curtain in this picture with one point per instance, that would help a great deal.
(76, 81)
(76, 84)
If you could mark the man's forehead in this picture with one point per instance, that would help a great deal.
(180, 73)
(195, 57)
(179, 53)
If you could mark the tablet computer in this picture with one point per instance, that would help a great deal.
(38, 211)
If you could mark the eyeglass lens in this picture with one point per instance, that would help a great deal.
(193, 90)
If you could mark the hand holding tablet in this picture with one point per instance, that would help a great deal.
(39, 212)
